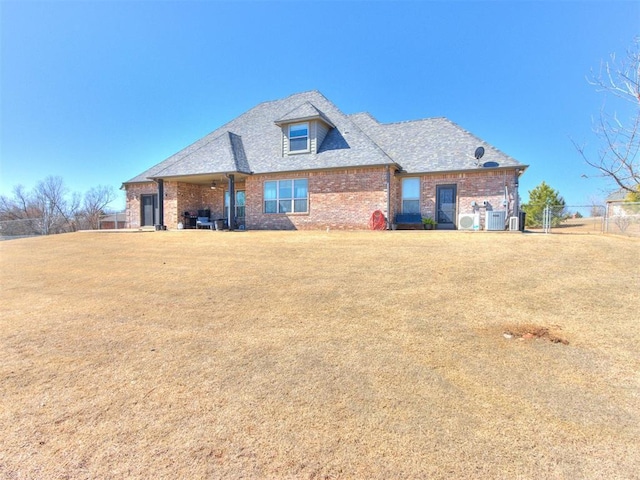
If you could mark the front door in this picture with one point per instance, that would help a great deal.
(149, 207)
(446, 206)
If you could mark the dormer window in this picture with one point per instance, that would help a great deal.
(303, 129)
(299, 137)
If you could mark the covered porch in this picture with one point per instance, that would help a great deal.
(218, 197)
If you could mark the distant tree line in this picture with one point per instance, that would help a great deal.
(51, 208)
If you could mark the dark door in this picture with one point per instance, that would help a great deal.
(149, 208)
(446, 206)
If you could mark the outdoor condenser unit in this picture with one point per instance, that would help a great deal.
(495, 220)
(468, 221)
(513, 224)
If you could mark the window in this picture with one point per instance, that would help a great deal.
(410, 195)
(299, 137)
(286, 196)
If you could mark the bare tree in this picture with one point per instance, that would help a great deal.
(18, 207)
(49, 197)
(95, 203)
(619, 138)
(597, 207)
(50, 208)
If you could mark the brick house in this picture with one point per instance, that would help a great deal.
(300, 163)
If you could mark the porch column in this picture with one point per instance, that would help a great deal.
(161, 203)
(232, 202)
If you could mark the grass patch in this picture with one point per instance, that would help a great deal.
(199, 354)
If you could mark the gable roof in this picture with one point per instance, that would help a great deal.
(306, 111)
(252, 143)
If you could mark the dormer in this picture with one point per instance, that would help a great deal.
(303, 129)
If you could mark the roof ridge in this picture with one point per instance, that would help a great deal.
(298, 107)
(375, 144)
(229, 145)
(425, 119)
(368, 115)
(286, 98)
(261, 104)
(309, 110)
(239, 155)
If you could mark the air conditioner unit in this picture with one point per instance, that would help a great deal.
(469, 221)
(513, 224)
(495, 220)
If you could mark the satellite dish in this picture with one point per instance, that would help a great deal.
(490, 164)
(479, 153)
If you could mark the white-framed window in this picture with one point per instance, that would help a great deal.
(286, 196)
(411, 195)
(299, 137)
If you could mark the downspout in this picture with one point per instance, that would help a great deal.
(516, 201)
(388, 197)
(160, 225)
(516, 196)
(232, 202)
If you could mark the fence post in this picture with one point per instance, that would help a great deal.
(546, 219)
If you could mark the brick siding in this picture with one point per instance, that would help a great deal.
(338, 199)
(342, 200)
(133, 210)
(470, 187)
(179, 197)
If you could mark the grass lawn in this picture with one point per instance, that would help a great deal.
(377, 355)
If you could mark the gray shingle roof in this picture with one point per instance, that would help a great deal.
(431, 145)
(306, 111)
(619, 195)
(252, 143)
(222, 154)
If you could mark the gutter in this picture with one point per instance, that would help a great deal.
(520, 168)
(328, 169)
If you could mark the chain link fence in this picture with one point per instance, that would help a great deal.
(32, 227)
(28, 227)
(622, 218)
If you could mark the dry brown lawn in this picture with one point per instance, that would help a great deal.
(377, 355)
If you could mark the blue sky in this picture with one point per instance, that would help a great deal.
(98, 91)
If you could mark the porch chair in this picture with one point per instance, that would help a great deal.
(204, 222)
